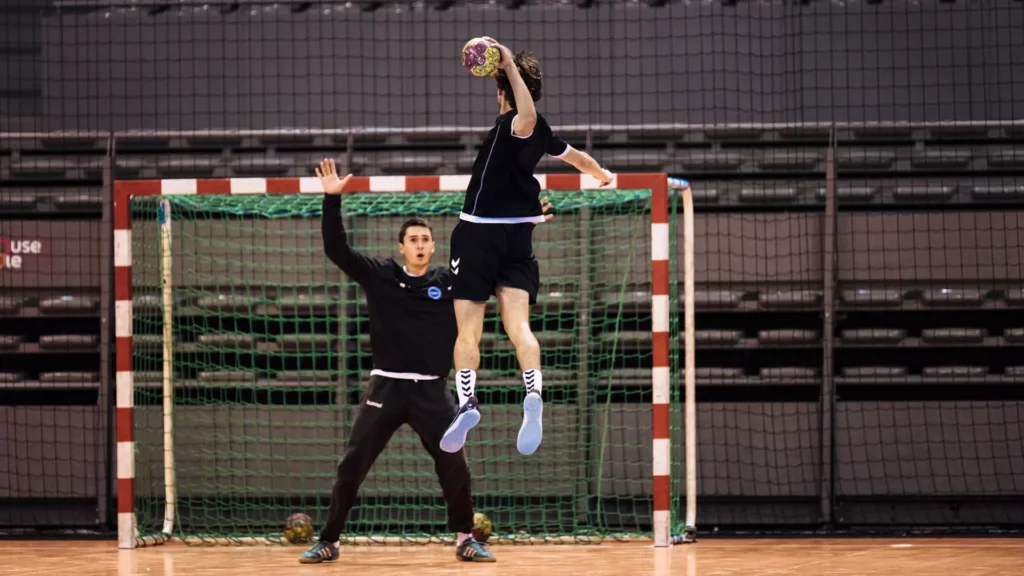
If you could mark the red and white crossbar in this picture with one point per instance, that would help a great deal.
(124, 190)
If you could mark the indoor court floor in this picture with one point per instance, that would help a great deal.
(719, 557)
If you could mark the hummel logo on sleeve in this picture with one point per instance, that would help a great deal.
(374, 404)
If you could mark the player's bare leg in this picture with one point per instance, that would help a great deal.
(470, 317)
(515, 315)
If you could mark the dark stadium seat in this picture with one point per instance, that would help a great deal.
(874, 371)
(946, 371)
(18, 200)
(69, 378)
(715, 372)
(872, 335)
(555, 339)
(953, 335)
(261, 165)
(73, 201)
(635, 377)
(786, 336)
(68, 341)
(924, 193)
(188, 167)
(790, 299)
(1015, 370)
(789, 160)
(147, 302)
(9, 342)
(871, 297)
(999, 192)
(1015, 296)
(11, 377)
(1006, 158)
(953, 297)
(708, 160)
(769, 194)
(854, 159)
(717, 337)
(305, 303)
(47, 168)
(701, 194)
(228, 341)
(787, 372)
(128, 167)
(213, 142)
(628, 299)
(306, 342)
(1015, 335)
(69, 303)
(306, 377)
(227, 303)
(227, 376)
(714, 298)
(147, 341)
(408, 163)
(634, 160)
(941, 158)
(11, 304)
(848, 192)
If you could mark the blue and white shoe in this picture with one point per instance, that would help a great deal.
(455, 437)
(320, 552)
(472, 551)
(531, 432)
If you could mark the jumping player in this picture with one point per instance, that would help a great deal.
(412, 333)
(492, 250)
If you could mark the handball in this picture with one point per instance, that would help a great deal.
(298, 529)
(480, 57)
(481, 527)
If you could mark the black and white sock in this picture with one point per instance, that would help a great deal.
(465, 382)
(533, 381)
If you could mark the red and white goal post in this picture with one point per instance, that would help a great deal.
(658, 184)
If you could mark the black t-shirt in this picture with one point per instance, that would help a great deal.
(412, 318)
(503, 185)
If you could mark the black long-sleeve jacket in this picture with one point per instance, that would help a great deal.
(412, 319)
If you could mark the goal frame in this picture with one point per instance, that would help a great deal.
(657, 183)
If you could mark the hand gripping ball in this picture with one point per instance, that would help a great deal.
(480, 57)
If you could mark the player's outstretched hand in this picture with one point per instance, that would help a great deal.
(606, 178)
(328, 175)
(507, 59)
(545, 205)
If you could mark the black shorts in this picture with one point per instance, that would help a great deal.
(485, 256)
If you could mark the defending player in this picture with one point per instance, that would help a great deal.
(492, 250)
(412, 332)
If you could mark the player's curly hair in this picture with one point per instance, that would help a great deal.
(529, 69)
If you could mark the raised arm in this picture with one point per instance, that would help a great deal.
(357, 266)
(526, 111)
(585, 163)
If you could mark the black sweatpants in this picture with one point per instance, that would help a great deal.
(428, 407)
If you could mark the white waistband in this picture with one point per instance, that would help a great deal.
(517, 220)
(403, 375)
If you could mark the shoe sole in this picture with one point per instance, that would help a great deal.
(476, 559)
(455, 437)
(532, 431)
(315, 560)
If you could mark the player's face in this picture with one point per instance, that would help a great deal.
(418, 245)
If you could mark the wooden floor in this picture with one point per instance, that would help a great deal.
(848, 557)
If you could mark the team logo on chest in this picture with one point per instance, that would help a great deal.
(434, 292)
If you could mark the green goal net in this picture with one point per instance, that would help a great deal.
(269, 351)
